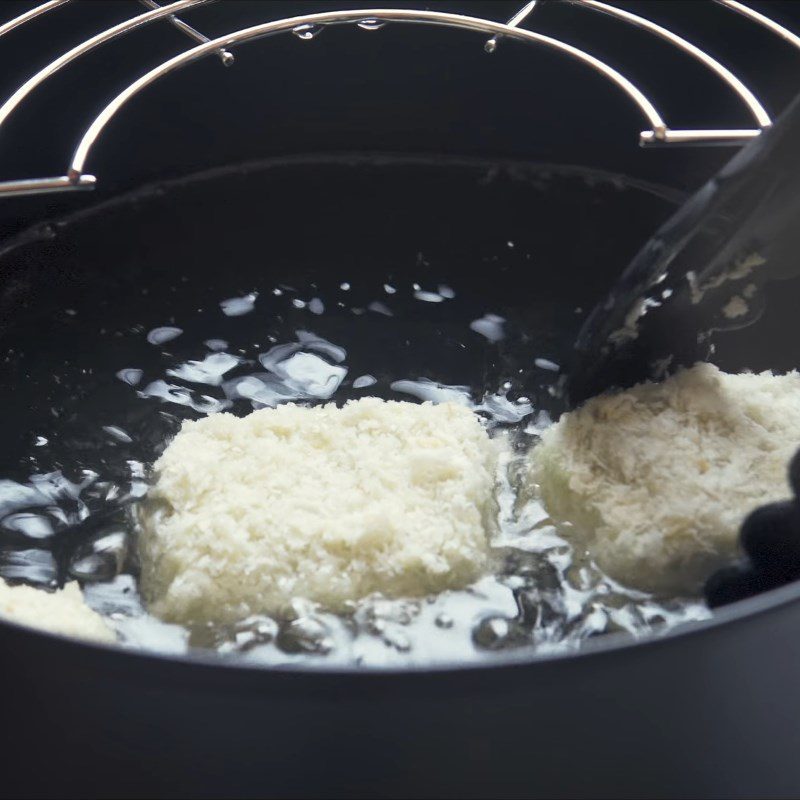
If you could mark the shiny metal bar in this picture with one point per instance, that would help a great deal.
(748, 98)
(32, 13)
(226, 57)
(657, 124)
(700, 137)
(514, 22)
(658, 134)
(62, 183)
(762, 19)
(84, 47)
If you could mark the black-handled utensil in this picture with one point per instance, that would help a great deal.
(702, 271)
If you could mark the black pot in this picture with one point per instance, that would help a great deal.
(708, 710)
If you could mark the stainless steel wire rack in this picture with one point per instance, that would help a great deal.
(657, 132)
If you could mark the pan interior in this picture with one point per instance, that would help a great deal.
(456, 278)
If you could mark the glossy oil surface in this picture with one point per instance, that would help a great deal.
(308, 282)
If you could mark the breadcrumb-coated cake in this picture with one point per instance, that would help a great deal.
(63, 611)
(656, 480)
(324, 503)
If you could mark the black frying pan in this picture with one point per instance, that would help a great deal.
(122, 722)
(709, 710)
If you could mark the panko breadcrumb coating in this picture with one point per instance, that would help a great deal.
(64, 611)
(656, 480)
(324, 503)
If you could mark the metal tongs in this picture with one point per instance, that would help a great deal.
(703, 271)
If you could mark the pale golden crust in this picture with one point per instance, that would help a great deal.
(656, 480)
(325, 503)
(62, 612)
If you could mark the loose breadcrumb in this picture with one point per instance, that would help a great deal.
(62, 612)
(656, 480)
(325, 503)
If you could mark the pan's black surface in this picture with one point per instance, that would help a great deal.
(709, 713)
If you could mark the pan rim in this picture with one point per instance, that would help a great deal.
(489, 662)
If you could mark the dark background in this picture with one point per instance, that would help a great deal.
(403, 89)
